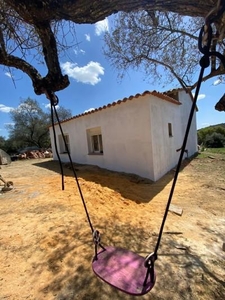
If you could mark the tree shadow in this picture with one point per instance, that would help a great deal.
(179, 272)
(141, 190)
(65, 252)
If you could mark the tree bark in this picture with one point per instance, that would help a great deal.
(40, 14)
(220, 105)
(86, 11)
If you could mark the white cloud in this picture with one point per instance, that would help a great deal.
(216, 82)
(88, 110)
(49, 106)
(9, 124)
(8, 74)
(204, 125)
(101, 26)
(79, 51)
(5, 109)
(200, 96)
(88, 74)
(88, 37)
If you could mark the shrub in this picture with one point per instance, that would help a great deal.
(215, 140)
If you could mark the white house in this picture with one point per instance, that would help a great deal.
(139, 134)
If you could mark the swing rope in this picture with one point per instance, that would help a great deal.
(204, 45)
(54, 100)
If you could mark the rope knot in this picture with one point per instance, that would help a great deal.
(96, 237)
(54, 100)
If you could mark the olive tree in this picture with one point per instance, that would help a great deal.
(31, 124)
(160, 43)
(34, 24)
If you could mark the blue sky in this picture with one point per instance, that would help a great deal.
(94, 83)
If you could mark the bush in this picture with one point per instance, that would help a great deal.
(208, 131)
(215, 140)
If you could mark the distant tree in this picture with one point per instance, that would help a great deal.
(207, 132)
(63, 113)
(202, 133)
(220, 129)
(8, 145)
(31, 124)
(2, 142)
(215, 140)
(12, 146)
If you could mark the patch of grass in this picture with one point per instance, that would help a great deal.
(211, 151)
(203, 154)
(216, 150)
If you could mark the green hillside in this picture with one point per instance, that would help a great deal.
(213, 126)
(212, 136)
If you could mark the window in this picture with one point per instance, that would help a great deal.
(97, 143)
(170, 132)
(62, 146)
(94, 137)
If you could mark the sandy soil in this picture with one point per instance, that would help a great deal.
(46, 245)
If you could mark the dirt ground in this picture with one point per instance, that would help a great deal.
(46, 245)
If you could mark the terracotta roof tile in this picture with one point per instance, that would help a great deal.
(162, 96)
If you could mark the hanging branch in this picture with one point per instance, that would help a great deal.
(39, 14)
(86, 11)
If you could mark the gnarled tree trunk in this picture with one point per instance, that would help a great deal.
(86, 11)
(40, 13)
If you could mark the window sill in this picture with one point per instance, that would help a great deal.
(95, 153)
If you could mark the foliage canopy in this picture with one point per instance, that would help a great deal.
(31, 124)
(212, 136)
(28, 24)
(161, 43)
(215, 140)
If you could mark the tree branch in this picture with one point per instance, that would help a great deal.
(179, 31)
(54, 77)
(2, 43)
(40, 14)
(212, 74)
(40, 84)
(220, 105)
(86, 11)
(152, 60)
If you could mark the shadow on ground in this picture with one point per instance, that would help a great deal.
(116, 181)
(179, 272)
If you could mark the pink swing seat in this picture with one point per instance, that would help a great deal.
(123, 269)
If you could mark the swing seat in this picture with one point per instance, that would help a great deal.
(122, 269)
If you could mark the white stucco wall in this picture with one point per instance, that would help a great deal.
(185, 108)
(164, 146)
(126, 135)
(135, 136)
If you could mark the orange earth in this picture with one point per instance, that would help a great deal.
(46, 244)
